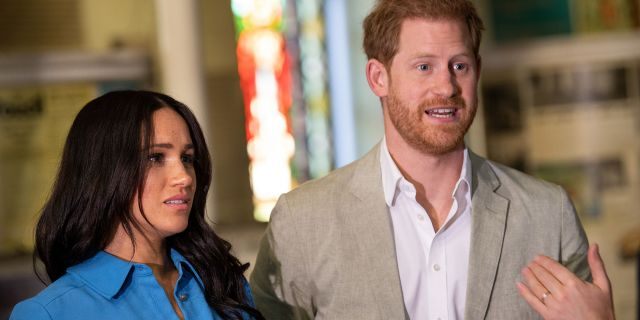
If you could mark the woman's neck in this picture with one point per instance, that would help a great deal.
(150, 251)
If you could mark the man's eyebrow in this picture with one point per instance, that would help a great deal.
(465, 54)
(426, 55)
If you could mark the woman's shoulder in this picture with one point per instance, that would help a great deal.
(29, 309)
(39, 306)
(247, 293)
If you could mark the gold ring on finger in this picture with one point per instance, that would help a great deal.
(545, 296)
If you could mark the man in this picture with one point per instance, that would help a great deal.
(420, 227)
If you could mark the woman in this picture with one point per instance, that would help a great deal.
(123, 234)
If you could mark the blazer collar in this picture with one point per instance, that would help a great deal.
(108, 274)
(366, 175)
(488, 223)
(370, 223)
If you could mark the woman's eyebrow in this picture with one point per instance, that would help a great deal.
(170, 146)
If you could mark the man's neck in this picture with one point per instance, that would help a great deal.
(433, 176)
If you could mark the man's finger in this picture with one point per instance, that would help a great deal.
(598, 271)
(545, 277)
(533, 284)
(554, 267)
(531, 299)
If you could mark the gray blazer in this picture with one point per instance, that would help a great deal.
(329, 253)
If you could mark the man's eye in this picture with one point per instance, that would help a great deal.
(423, 67)
(460, 66)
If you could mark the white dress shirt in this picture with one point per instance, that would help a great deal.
(433, 265)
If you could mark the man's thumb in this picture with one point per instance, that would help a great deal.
(598, 272)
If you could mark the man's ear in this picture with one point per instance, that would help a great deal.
(378, 78)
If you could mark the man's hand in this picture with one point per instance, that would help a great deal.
(556, 293)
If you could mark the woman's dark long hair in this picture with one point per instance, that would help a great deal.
(104, 164)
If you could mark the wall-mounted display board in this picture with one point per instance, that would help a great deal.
(517, 20)
(568, 112)
(39, 98)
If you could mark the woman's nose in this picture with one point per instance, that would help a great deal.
(181, 175)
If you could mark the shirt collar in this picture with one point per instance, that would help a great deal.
(391, 175)
(107, 274)
(179, 261)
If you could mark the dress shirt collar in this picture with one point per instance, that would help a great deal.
(391, 175)
(107, 274)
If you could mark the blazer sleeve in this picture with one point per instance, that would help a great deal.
(278, 281)
(29, 310)
(574, 245)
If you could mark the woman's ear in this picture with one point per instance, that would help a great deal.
(378, 78)
(478, 67)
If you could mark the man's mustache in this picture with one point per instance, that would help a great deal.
(456, 101)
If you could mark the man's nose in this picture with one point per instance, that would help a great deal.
(445, 84)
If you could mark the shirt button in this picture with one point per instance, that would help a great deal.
(183, 297)
(420, 217)
(436, 267)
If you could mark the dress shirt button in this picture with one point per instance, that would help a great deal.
(436, 267)
(183, 297)
(420, 217)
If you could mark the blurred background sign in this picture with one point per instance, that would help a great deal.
(525, 19)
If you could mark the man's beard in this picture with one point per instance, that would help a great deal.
(430, 138)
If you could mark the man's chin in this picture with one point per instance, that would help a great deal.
(438, 147)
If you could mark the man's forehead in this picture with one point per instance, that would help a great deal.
(417, 31)
(428, 22)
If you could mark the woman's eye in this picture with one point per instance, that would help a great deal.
(187, 158)
(155, 157)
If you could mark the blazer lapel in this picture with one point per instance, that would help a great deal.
(372, 226)
(489, 215)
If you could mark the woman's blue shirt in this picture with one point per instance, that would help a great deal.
(106, 287)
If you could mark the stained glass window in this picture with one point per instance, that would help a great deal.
(283, 79)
